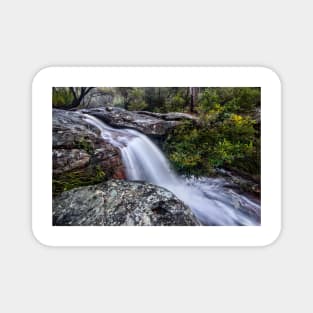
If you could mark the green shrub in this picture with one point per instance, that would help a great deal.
(219, 140)
(137, 106)
(61, 97)
(233, 99)
(177, 103)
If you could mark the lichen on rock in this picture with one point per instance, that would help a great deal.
(119, 202)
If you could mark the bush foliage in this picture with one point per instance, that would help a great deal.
(227, 134)
(61, 97)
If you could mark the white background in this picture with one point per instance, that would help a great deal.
(35, 34)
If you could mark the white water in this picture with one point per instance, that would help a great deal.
(209, 200)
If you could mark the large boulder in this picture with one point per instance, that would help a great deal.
(151, 124)
(80, 155)
(120, 202)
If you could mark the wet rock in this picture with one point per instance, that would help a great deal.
(149, 123)
(119, 202)
(80, 155)
(237, 181)
(68, 159)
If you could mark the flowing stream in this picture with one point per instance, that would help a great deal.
(210, 201)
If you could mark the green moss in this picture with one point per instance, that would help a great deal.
(78, 178)
(84, 144)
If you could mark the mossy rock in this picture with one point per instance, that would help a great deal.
(73, 179)
(84, 144)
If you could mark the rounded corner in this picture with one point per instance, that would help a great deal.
(38, 238)
(41, 73)
(273, 74)
(274, 238)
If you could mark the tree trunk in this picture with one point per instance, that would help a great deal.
(193, 97)
(78, 94)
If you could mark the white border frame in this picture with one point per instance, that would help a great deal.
(157, 77)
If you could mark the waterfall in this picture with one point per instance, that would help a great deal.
(211, 203)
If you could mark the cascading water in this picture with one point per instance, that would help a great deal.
(209, 200)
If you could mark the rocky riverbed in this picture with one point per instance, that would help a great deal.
(93, 161)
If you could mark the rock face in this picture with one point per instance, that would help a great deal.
(241, 181)
(80, 155)
(171, 116)
(151, 124)
(97, 98)
(66, 160)
(119, 202)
